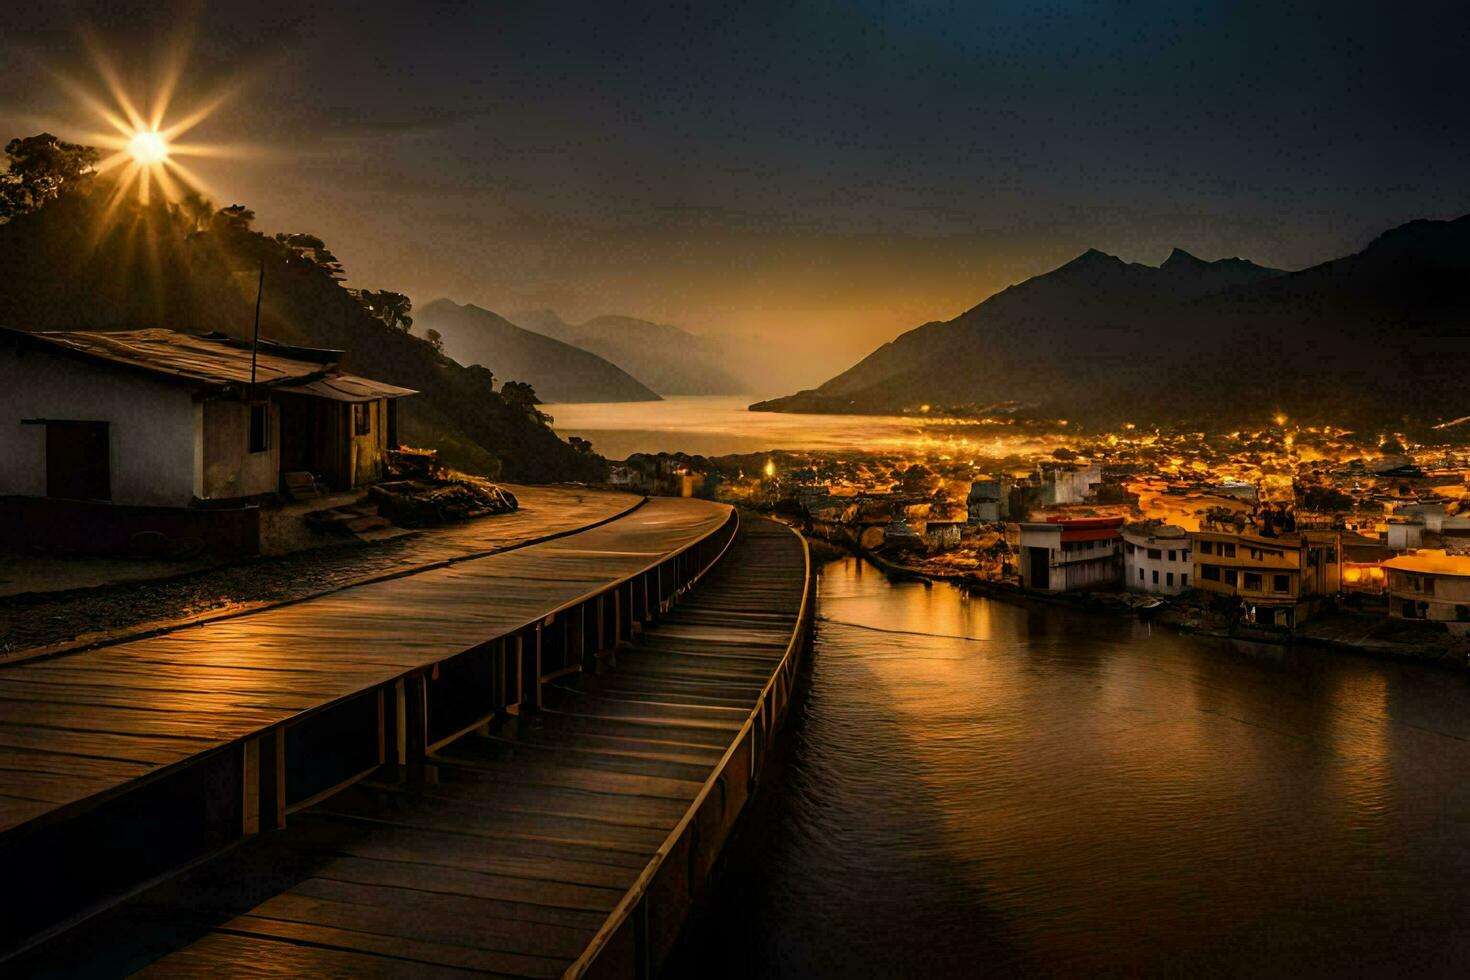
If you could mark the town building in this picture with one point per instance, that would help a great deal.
(1072, 554)
(1280, 581)
(1430, 584)
(989, 501)
(1061, 485)
(943, 535)
(1156, 558)
(104, 433)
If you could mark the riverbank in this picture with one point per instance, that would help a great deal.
(1333, 628)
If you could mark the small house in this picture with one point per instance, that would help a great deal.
(104, 433)
(1279, 581)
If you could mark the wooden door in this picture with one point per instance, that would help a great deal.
(78, 463)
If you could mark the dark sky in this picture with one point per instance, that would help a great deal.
(822, 175)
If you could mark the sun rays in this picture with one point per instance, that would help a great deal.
(141, 135)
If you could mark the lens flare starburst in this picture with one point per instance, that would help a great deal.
(141, 138)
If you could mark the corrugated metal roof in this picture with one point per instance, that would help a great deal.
(350, 388)
(215, 359)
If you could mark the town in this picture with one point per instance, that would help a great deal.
(1287, 532)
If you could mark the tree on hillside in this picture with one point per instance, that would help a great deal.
(435, 339)
(194, 212)
(390, 307)
(521, 395)
(41, 167)
(234, 220)
(312, 249)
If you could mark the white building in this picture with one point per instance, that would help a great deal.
(1071, 554)
(1430, 585)
(1156, 558)
(94, 422)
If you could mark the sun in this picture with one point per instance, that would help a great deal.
(148, 147)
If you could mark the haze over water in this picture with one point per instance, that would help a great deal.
(976, 788)
(721, 425)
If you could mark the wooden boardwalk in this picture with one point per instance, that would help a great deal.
(564, 839)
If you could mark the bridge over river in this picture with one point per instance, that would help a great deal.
(520, 764)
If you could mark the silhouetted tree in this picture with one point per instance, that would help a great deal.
(194, 212)
(435, 340)
(580, 445)
(314, 251)
(390, 307)
(522, 395)
(41, 168)
(234, 220)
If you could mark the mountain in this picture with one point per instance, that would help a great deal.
(1375, 336)
(76, 264)
(560, 372)
(669, 360)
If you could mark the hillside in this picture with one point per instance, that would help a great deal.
(1374, 336)
(669, 360)
(71, 265)
(559, 371)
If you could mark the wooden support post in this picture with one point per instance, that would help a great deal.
(250, 788)
(271, 786)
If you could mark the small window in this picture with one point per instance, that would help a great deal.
(1140, 575)
(1183, 580)
(1252, 582)
(1211, 572)
(1155, 554)
(362, 419)
(1173, 555)
(1230, 577)
(1156, 576)
(260, 427)
(1281, 583)
(1185, 554)
(1169, 579)
(1228, 550)
(1206, 548)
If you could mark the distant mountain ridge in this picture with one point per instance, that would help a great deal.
(667, 359)
(1376, 335)
(559, 371)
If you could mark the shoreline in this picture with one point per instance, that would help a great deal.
(1452, 657)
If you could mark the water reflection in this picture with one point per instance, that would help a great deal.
(1040, 791)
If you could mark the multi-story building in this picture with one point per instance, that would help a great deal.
(1156, 558)
(1279, 580)
(989, 501)
(1072, 554)
(1430, 585)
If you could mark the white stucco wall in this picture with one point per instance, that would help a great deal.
(1137, 560)
(151, 430)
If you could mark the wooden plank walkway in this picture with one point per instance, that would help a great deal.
(79, 730)
(560, 841)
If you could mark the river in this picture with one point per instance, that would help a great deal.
(978, 788)
(720, 425)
